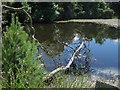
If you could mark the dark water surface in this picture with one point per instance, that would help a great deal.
(101, 52)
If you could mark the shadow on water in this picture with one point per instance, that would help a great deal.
(100, 52)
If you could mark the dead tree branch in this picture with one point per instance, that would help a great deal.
(25, 12)
(63, 68)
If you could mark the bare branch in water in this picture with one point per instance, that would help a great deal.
(63, 68)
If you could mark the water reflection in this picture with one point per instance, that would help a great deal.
(100, 45)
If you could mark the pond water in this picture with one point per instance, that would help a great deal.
(58, 41)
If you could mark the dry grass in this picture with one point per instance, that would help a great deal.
(67, 81)
(81, 81)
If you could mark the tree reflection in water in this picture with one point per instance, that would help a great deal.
(57, 54)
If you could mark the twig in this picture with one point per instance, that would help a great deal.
(66, 45)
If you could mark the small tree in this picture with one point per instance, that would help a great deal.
(19, 65)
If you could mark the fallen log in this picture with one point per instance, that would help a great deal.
(63, 68)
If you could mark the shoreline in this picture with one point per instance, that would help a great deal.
(110, 22)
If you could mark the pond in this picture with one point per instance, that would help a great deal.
(99, 57)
